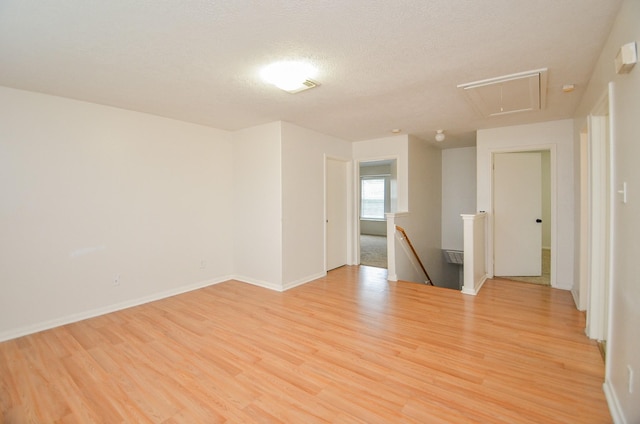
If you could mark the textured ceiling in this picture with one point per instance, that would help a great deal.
(382, 64)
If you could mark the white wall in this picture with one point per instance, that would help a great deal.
(303, 201)
(373, 228)
(623, 344)
(279, 224)
(458, 193)
(458, 197)
(425, 213)
(555, 134)
(257, 205)
(90, 192)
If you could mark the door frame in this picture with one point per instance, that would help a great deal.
(551, 148)
(581, 295)
(600, 208)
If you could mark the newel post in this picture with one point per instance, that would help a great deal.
(475, 258)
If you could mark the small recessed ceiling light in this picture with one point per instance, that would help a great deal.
(396, 130)
(290, 76)
(440, 136)
(568, 88)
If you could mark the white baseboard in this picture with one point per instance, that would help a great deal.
(57, 322)
(260, 283)
(562, 286)
(614, 405)
(304, 280)
(576, 300)
(275, 286)
(474, 291)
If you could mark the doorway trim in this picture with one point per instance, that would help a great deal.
(600, 204)
(551, 148)
(581, 295)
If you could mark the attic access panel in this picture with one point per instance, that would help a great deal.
(521, 92)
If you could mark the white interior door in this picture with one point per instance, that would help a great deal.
(517, 214)
(336, 213)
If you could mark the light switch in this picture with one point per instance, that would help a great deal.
(623, 192)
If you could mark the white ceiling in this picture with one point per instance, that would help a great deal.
(382, 64)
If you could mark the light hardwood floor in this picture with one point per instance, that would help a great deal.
(348, 348)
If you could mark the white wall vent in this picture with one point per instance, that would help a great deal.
(521, 92)
(453, 256)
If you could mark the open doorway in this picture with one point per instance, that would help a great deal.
(522, 213)
(376, 198)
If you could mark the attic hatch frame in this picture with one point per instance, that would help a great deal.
(488, 102)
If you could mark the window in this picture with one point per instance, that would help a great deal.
(372, 198)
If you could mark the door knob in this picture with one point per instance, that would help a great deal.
(538, 220)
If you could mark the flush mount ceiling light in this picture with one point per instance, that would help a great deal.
(290, 76)
(440, 136)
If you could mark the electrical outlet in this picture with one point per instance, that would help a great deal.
(630, 379)
(203, 264)
(116, 280)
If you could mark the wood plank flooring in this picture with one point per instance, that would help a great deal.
(348, 348)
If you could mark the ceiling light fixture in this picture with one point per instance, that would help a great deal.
(440, 136)
(290, 76)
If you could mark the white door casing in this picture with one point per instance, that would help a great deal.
(599, 216)
(517, 207)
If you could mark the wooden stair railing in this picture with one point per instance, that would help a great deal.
(406, 237)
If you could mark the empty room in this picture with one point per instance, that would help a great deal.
(190, 192)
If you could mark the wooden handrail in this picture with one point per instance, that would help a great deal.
(404, 234)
